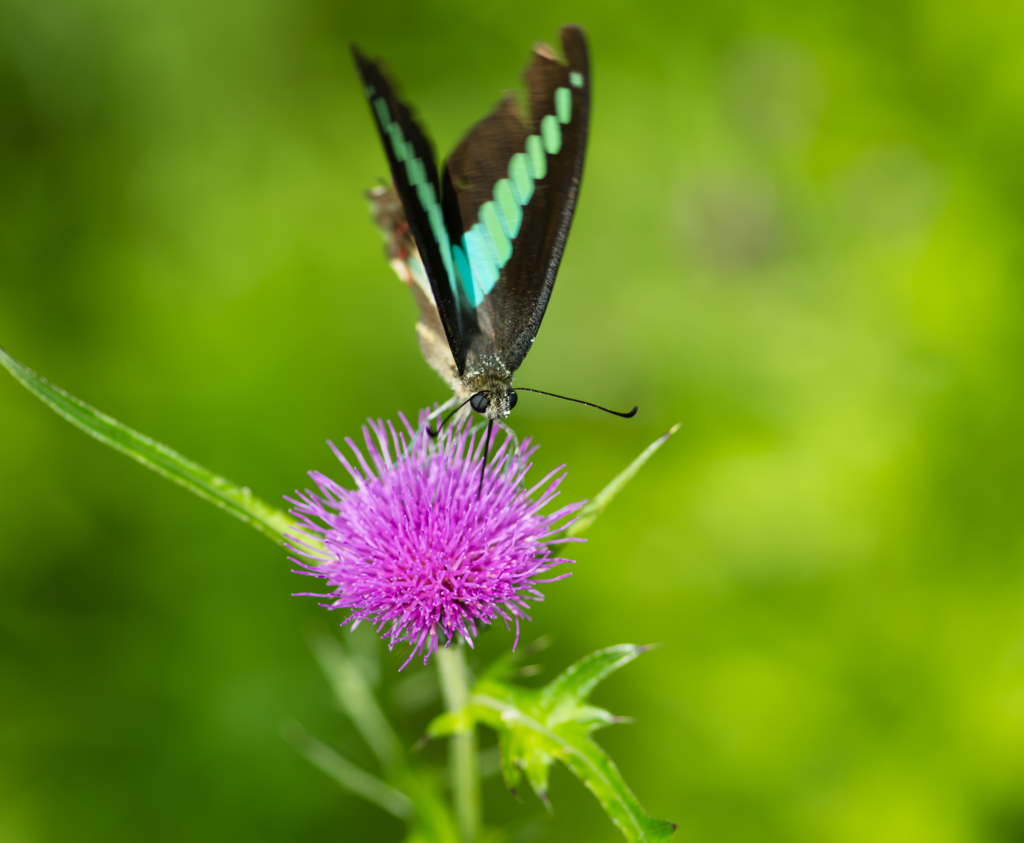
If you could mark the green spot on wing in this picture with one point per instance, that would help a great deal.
(425, 191)
(502, 247)
(537, 157)
(481, 256)
(519, 175)
(398, 143)
(510, 213)
(563, 105)
(415, 171)
(576, 79)
(551, 132)
(383, 114)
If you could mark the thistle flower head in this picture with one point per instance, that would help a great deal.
(419, 547)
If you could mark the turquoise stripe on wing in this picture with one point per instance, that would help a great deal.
(398, 144)
(563, 105)
(519, 176)
(487, 246)
(415, 171)
(484, 272)
(551, 133)
(537, 157)
(464, 271)
(499, 241)
(509, 212)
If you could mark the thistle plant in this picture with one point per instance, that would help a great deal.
(426, 554)
(419, 547)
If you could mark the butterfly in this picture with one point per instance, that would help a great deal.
(479, 241)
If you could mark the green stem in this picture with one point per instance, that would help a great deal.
(463, 763)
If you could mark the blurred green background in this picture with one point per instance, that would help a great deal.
(799, 235)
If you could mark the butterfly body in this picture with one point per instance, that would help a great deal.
(480, 241)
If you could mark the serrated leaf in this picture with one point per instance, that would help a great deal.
(449, 723)
(537, 765)
(593, 508)
(593, 718)
(580, 678)
(234, 499)
(536, 727)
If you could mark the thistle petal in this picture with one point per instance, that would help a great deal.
(417, 547)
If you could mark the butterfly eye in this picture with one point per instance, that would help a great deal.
(479, 402)
(512, 399)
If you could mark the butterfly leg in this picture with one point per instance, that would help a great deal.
(442, 408)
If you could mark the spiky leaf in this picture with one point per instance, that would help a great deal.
(237, 500)
(593, 508)
(536, 727)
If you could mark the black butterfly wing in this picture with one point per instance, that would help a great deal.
(513, 184)
(414, 173)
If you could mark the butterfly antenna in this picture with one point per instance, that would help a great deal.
(434, 433)
(628, 415)
(483, 465)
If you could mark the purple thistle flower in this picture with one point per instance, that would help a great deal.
(414, 549)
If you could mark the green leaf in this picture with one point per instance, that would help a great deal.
(414, 796)
(347, 774)
(537, 727)
(577, 681)
(353, 693)
(589, 513)
(237, 500)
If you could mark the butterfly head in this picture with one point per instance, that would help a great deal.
(495, 403)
